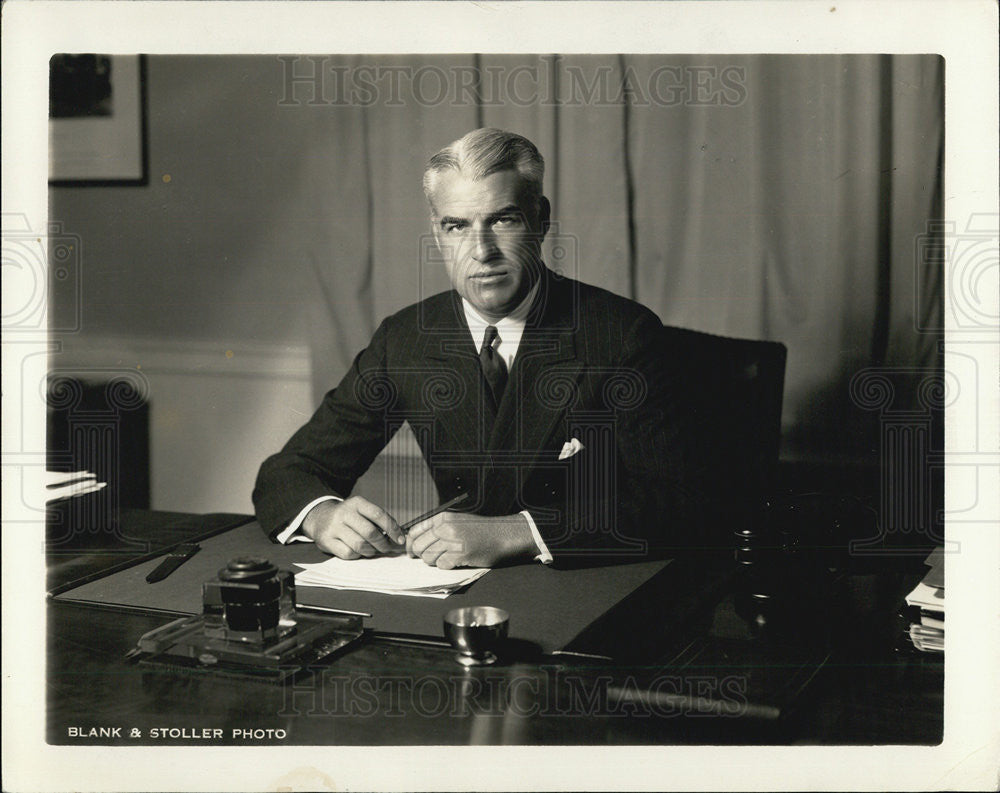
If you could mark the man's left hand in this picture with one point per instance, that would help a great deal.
(459, 539)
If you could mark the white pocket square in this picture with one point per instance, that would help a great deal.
(570, 448)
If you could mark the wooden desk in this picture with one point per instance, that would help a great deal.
(388, 693)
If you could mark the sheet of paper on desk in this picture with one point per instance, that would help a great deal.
(926, 597)
(390, 575)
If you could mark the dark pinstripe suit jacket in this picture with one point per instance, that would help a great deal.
(588, 367)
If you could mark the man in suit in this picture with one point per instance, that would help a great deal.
(541, 398)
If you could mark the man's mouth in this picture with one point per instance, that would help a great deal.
(489, 277)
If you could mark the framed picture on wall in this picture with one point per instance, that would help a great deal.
(97, 119)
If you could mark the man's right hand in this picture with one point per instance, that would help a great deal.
(352, 528)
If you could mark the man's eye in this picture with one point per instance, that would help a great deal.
(451, 228)
(506, 220)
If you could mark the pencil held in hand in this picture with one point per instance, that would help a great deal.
(405, 528)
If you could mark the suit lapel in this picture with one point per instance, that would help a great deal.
(446, 345)
(542, 383)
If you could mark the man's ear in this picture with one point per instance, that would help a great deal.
(544, 215)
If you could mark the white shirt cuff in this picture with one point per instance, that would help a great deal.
(292, 533)
(543, 551)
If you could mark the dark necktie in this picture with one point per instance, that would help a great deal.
(494, 368)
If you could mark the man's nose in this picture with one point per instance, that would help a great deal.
(484, 245)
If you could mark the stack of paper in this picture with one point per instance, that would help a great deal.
(66, 484)
(926, 603)
(391, 575)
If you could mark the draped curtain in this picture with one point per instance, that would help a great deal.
(770, 197)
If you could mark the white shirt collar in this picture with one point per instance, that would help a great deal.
(510, 328)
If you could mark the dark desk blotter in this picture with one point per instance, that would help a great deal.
(548, 607)
(137, 533)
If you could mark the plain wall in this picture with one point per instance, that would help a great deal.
(196, 278)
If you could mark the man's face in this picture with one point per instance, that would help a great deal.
(489, 233)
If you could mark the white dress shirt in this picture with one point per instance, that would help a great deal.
(510, 329)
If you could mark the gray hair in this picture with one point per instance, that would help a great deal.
(486, 151)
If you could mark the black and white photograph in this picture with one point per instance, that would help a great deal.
(423, 396)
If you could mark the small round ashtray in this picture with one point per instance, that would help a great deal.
(475, 631)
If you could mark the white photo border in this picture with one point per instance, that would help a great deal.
(963, 32)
